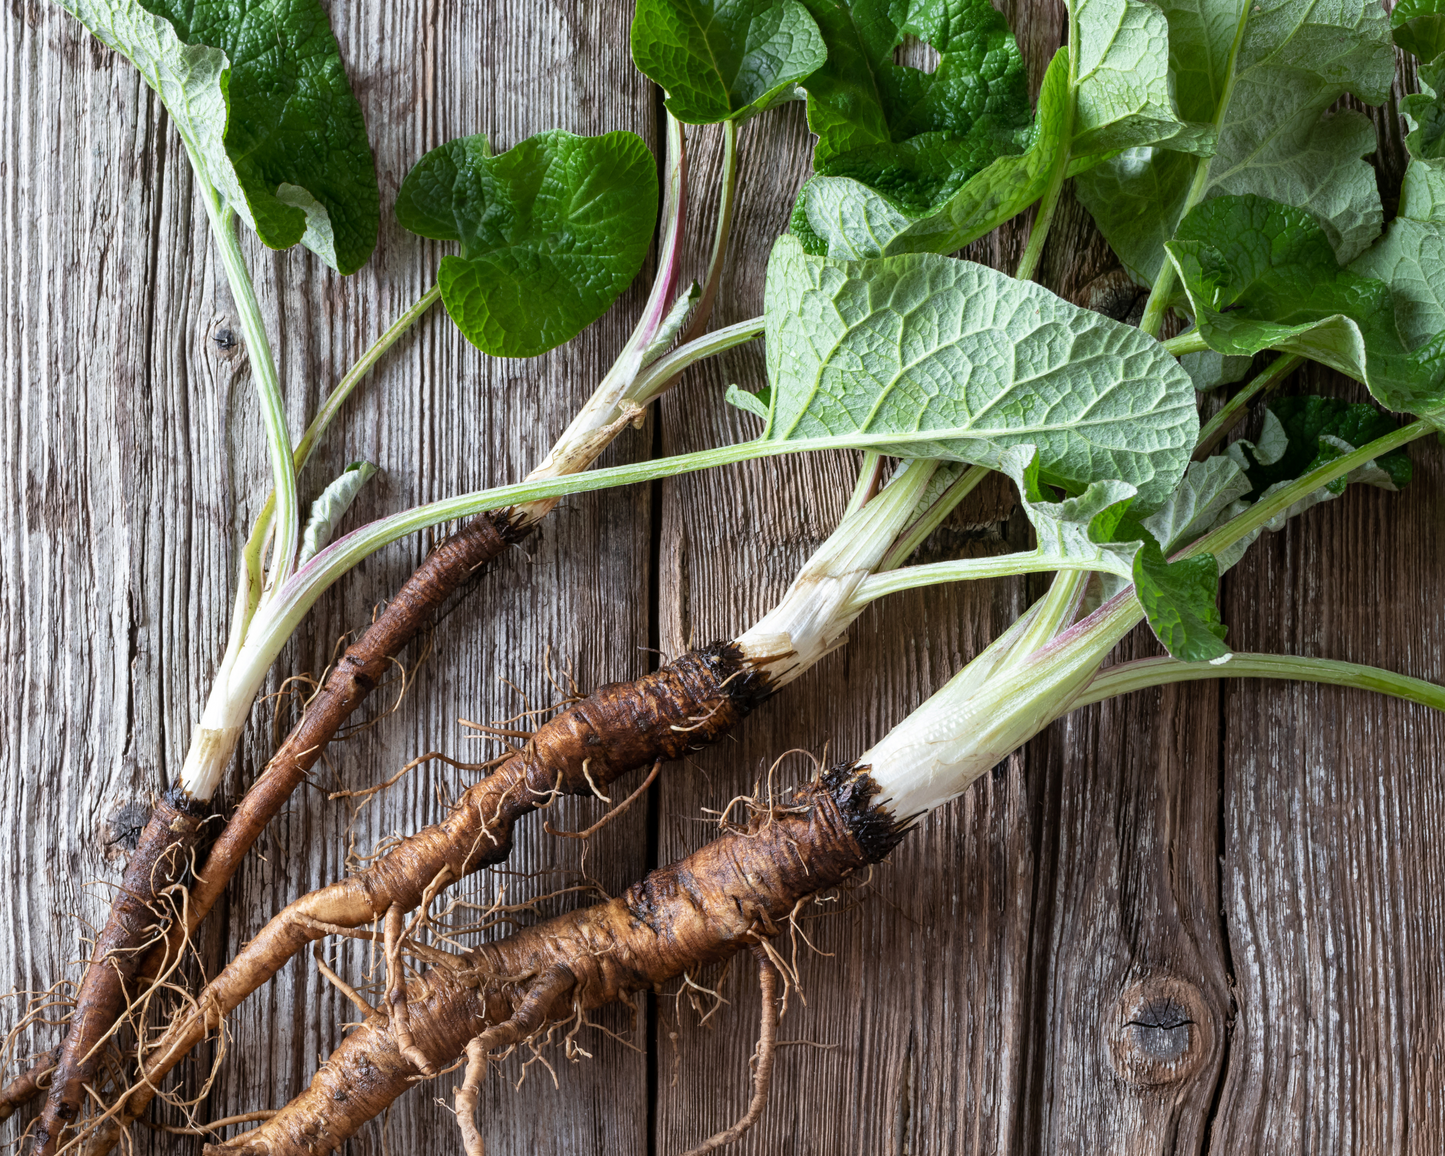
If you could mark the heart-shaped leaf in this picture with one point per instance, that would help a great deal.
(724, 59)
(551, 232)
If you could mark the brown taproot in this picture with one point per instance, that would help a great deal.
(616, 729)
(161, 857)
(28, 1084)
(159, 860)
(731, 894)
(356, 674)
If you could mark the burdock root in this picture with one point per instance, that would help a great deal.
(135, 919)
(618, 728)
(356, 674)
(733, 893)
(131, 927)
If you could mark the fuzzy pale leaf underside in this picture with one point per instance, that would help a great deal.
(926, 356)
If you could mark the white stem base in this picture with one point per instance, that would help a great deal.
(818, 608)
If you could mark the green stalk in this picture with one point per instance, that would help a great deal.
(1222, 422)
(969, 570)
(347, 385)
(915, 535)
(267, 382)
(870, 473)
(1189, 341)
(349, 550)
(1044, 218)
(1163, 289)
(1127, 677)
(658, 377)
(727, 199)
(1057, 610)
(1034, 250)
(250, 595)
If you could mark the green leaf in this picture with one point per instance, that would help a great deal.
(1079, 527)
(1260, 275)
(846, 217)
(1410, 258)
(1122, 100)
(258, 93)
(1305, 432)
(756, 404)
(1270, 101)
(1209, 370)
(1123, 92)
(551, 232)
(1207, 490)
(672, 324)
(1418, 26)
(913, 134)
(926, 356)
(1099, 528)
(898, 146)
(1180, 600)
(724, 59)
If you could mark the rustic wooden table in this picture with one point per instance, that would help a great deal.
(1207, 918)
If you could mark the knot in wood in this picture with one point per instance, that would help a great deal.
(1159, 1032)
(121, 832)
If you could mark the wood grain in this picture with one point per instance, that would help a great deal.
(1198, 920)
(120, 527)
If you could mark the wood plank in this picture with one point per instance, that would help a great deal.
(119, 523)
(915, 939)
(1334, 858)
(1016, 978)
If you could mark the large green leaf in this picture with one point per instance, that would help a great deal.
(724, 59)
(551, 232)
(258, 93)
(1260, 275)
(1123, 97)
(1120, 99)
(1270, 101)
(1418, 26)
(926, 356)
(847, 217)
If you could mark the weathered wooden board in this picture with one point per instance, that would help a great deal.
(1202, 919)
(120, 525)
